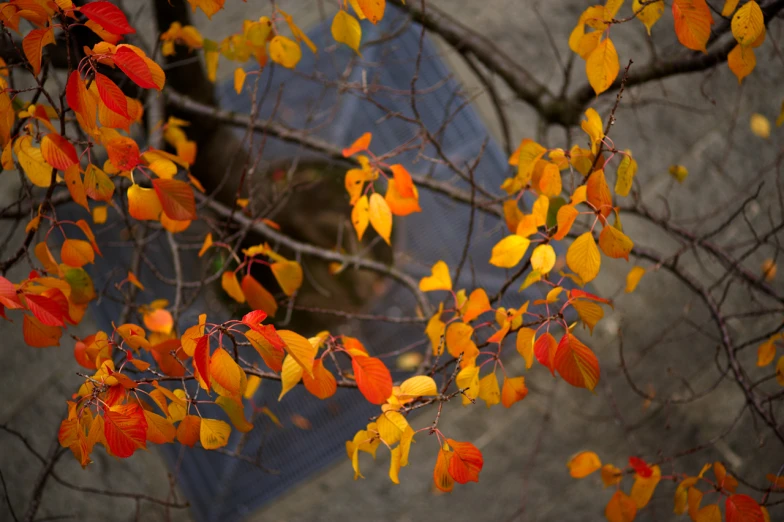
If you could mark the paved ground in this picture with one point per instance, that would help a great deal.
(526, 447)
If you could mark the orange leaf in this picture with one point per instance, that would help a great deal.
(300, 349)
(322, 384)
(188, 430)
(583, 464)
(466, 462)
(403, 182)
(441, 477)
(372, 9)
(176, 198)
(33, 46)
(97, 184)
(258, 297)
(477, 304)
(73, 180)
(39, 335)
(362, 143)
(125, 429)
(201, 360)
(692, 23)
(159, 429)
(77, 253)
(620, 508)
(226, 372)
(513, 390)
(373, 378)
(123, 152)
(576, 363)
(232, 287)
(143, 203)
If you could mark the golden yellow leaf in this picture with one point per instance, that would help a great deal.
(741, 61)
(592, 125)
(748, 23)
(627, 168)
(239, 79)
(633, 278)
(214, 433)
(643, 487)
(611, 475)
(729, 8)
(679, 172)
(525, 345)
(288, 274)
(620, 508)
(32, 161)
(418, 386)
(290, 375)
(513, 390)
(615, 243)
(285, 51)
(760, 125)
(648, 13)
(602, 66)
(509, 251)
(346, 29)
(489, 390)
(380, 216)
(543, 258)
(468, 379)
(583, 257)
(438, 280)
(360, 216)
(232, 287)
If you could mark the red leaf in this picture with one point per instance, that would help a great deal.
(58, 151)
(134, 67)
(8, 296)
(176, 198)
(123, 152)
(640, 467)
(111, 95)
(201, 358)
(253, 318)
(373, 378)
(108, 16)
(742, 508)
(45, 310)
(577, 293)
(466, 463)
(125, 429)
(544, 349)
(72, 91)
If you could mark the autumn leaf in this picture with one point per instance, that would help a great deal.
(643, 487)
(380, 216)
(602, 66)
(627, 168)
(361, 144)
(346, 29)
(583, 257)
(97, 185)
(301, 349)
(477, 304)
(441, 477)
(176, 198)
(125, 429)
(693, 21)
(288, 274)
(134, 68)
(111, 95)
(543, 258)
(258, 297)
(748, 23)
(373, 378)
(285, 51)
(214, 433)
(108, 16)
(576, 363)
(372, 9)
(226, 373)
(33, 45)
(466, 462)
(509, 251)
(615, 243)
(513, 390)
(648, 13)
(58, 152)
(489, 390)
(438, 280)
(583, 464)
(322, 384)
(77, 253)
(620, 508)
(742, 508)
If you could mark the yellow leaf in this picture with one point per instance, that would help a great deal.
(468, 379)
(748, 23)
(583, 464)
(239, 79)
(643, 487)
(679, 172)
(525, 345)
(438, 280)
(489, 390)
(539, 210)
(144, 203)
(214, 433)
(590, 313)
(627, 168)
(615, 243)
(525, 157)
(729, 7)
(232, 406)
(602, 66)
(583, 257)
(288, 274)
(633, 278)
(391, 426)
(648, 13)
(100, 214)
(290, 375)
(380, 216)
(32, 161)
(543, 258)
(285, 51)
(206, 244)
(303, 351)
(435, 330)
(709, 513)
(509, 251)
(418, 386)
(760, 125)
(226, 373)
(360, 216)
(394, 461)
(458, 340)
(346, 29)
(592, 126)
